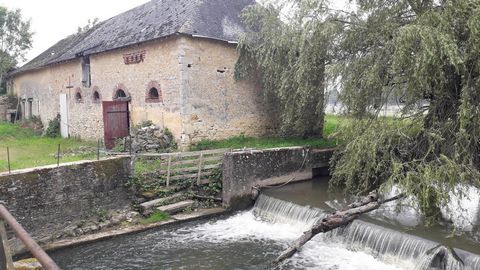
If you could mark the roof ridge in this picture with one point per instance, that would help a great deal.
(152, 20)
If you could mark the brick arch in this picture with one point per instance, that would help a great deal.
(78, 97)
(95, 89)
(122, 87)
(148, 97)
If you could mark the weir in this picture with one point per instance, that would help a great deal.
(379, 241)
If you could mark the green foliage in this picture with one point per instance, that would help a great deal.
(28, 149)
(238, 142)
(427, 53)
(155, 217)
(53, 129)
(16, 37)
(422, 54)
(288, 54)
(215, 185)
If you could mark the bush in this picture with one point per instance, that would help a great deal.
(53, 129)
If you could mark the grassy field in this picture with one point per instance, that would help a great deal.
(30, 150)
(331, 124)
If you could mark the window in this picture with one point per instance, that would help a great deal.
(153, 93)
(78, 97)
(86, 78)
(96, 96)
(30, 105)
(120, 94)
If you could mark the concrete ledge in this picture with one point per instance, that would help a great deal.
(288, 178)
(54, 166)
(175, 220)
(243, 170)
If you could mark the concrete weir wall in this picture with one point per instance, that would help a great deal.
(243, 170)
(46, 200)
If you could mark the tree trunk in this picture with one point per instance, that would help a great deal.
(335, 220)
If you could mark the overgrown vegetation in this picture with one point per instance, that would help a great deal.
(422, 54)
(290, 63)
(156, 216)
(28, 149)
(53, 129)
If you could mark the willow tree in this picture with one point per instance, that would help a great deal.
(288, 54)
(427, 53)
(423, 53)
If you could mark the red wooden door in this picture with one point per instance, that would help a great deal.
(116, 121)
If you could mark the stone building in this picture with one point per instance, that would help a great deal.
(168, 61)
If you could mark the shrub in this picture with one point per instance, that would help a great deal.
(53, 129)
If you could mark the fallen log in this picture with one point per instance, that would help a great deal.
(335, 220)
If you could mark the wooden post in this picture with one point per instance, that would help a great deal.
(168, 169)
(6, 262)
(58, 155)
(200, 165)
(98, 149)
(8, 158)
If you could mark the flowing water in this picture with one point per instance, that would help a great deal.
(252, 239)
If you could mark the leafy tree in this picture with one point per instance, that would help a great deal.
(427, 53)
(288, 54)
(15, 40)
(422, 53)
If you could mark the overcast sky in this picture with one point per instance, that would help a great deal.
(53, 20)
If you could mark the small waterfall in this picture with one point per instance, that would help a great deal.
(278, 211)
(363, 236)
(383, 241)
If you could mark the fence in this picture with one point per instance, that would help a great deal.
(62, 153)
(182, 166)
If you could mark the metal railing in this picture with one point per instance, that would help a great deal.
(6, 262)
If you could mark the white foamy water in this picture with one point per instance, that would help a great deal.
(280, 222)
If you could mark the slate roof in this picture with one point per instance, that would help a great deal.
(215, 19)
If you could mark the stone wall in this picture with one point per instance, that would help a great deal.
(216, 105)
(244, 170)
(3, 108)
(194, 77)
(47, 200)
(108, 74)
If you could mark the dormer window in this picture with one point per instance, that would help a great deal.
(86, 77)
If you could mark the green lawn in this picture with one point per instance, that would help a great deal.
(30, 150)
(331, 124)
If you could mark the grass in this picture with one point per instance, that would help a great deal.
(30, 150)
(155, 217)
(331, 124)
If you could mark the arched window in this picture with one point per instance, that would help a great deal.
(153, 93)
(120, 94)
(96, 96)
(78, 97)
